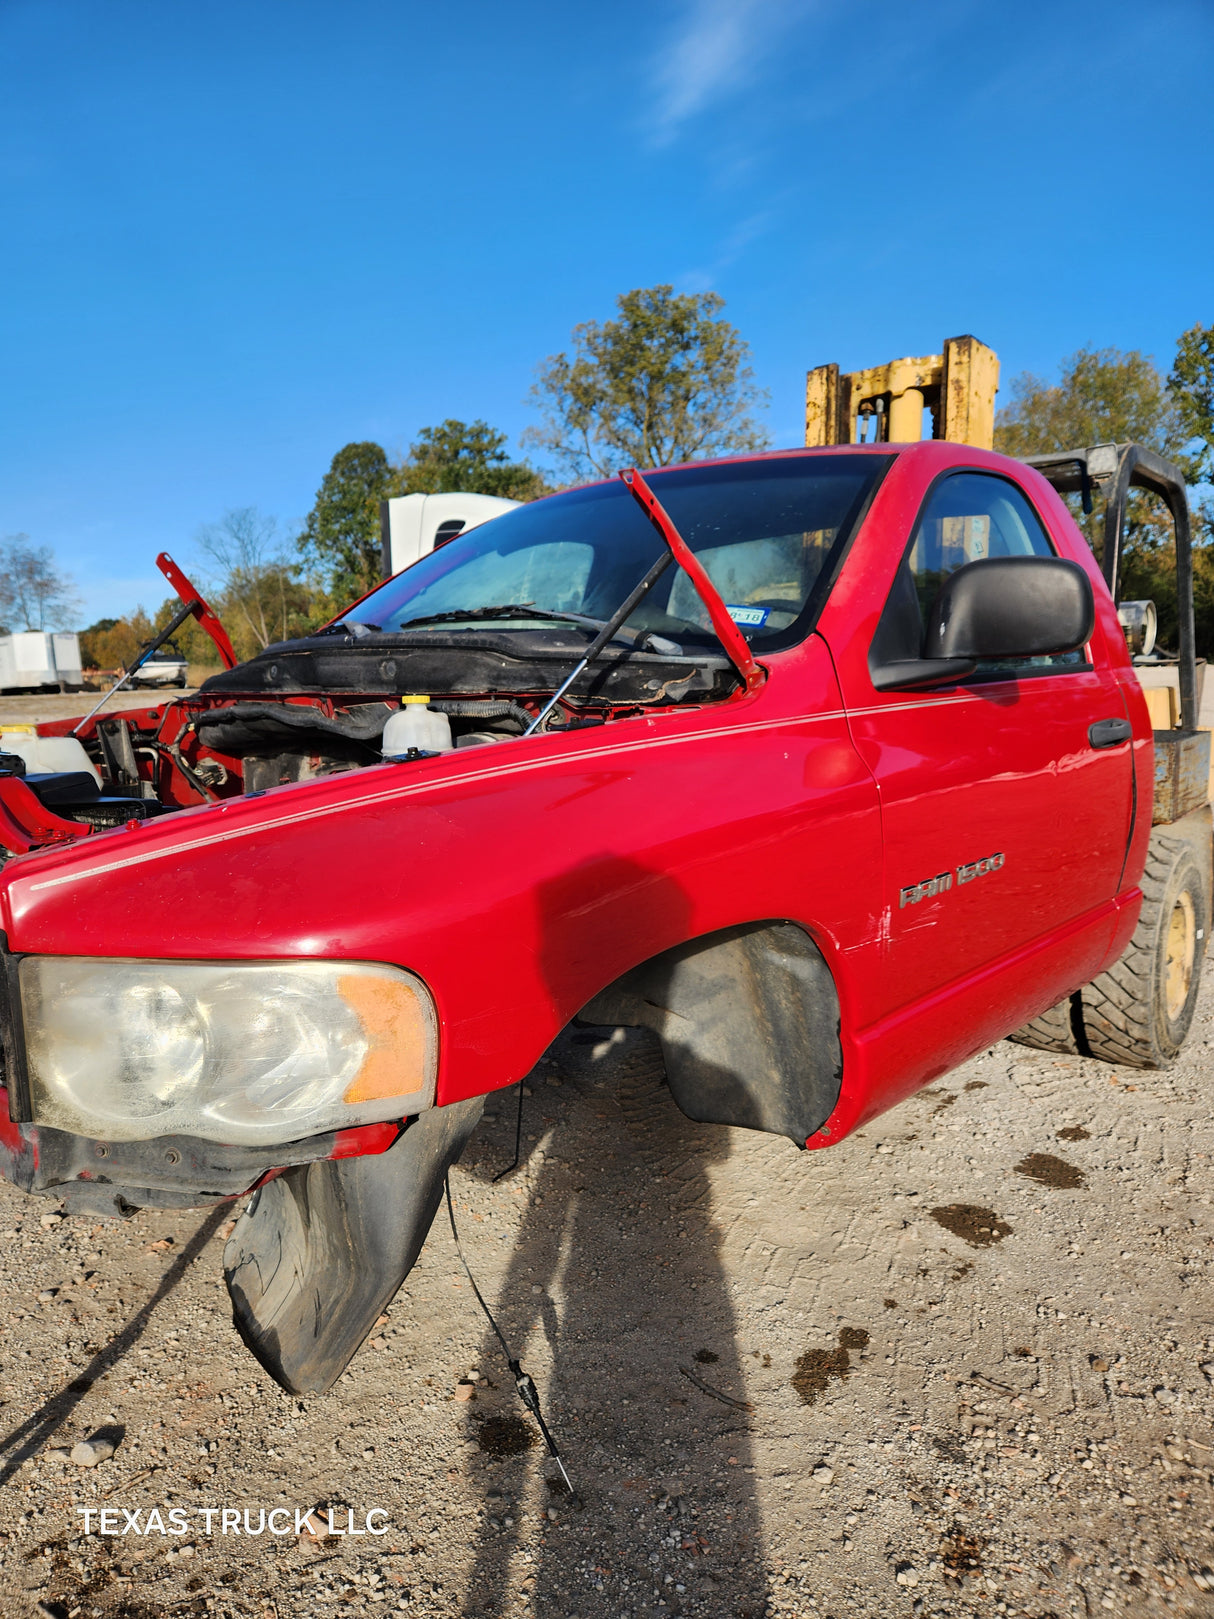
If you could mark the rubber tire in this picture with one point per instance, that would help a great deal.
(1052, 1031)
(1125, 1016)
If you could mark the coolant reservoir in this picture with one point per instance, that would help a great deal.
(414, 725)
(48, 752)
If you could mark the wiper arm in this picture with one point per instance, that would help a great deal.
(520, 610)
(355, 627)
(601, 639)
(727, 632)
(505, 610)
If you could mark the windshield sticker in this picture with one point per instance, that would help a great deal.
(755, 617)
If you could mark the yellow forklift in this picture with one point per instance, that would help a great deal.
(1139, 1012)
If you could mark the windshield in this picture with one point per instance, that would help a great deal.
(767, 533)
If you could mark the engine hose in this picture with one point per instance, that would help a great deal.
(487, 709)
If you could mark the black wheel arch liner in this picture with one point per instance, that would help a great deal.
(748, 1020)
(323, 1248)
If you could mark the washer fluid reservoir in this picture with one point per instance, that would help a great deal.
(415, 725)
(55, 753)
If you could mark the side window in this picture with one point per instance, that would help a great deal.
(968, 517)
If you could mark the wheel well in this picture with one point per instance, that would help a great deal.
(748, 1019)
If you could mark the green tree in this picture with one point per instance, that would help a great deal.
(1102, 396)
(668, 381)
(466, 456)
(342, 539)
(89, 641)
(341, 536)
(1111, 396)
(1191, 385)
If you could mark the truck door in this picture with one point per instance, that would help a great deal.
(1004, 822)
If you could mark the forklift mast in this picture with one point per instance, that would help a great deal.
(885, 404)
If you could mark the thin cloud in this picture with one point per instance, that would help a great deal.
(705, 277)
(715, 52)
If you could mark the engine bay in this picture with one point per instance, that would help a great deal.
(573, 611)
(319, 706)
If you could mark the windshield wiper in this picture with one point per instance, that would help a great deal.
(504, 610)
(601, 639)
(645, 640)
(355, 627)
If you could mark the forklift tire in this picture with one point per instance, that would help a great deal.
(1138, 1012)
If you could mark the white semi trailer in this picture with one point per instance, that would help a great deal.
(412, 525)
(40, 660)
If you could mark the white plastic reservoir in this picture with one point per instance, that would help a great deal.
(50, 752)
(416, 726)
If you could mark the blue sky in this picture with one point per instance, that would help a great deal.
(236, 236)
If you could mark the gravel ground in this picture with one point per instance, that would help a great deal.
(952, 1365)
(33, 709)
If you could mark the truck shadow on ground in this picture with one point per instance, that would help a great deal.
(30, 1436)
(616, 1268)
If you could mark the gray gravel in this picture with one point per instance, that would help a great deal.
(784, 1383)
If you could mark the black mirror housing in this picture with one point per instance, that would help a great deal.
(1011, 607)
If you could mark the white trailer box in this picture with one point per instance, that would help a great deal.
(36, 660)
(412, 525)
(67, 658)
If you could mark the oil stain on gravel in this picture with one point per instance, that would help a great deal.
(950, 1446)
(979, 1227)
(816, 1367)
(1047, 1170)
(961, 1553)
(1074, 1132)
(505, 1436)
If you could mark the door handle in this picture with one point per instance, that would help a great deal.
(1108, 733)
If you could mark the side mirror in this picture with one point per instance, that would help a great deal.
(1011, 607)
(1003, 607)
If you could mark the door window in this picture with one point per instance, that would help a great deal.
(968, 517)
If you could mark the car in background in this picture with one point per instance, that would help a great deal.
(163, 669)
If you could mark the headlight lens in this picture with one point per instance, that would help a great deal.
(240, 1052)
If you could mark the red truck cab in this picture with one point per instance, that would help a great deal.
(897, 808)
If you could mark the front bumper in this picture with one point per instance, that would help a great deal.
(169, 1172)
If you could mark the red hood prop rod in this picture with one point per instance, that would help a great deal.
(205, 615)
(192, 604)
(677, 550)
(727, 632)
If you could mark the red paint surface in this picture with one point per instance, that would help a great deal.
(520, 879)
(11, 1139)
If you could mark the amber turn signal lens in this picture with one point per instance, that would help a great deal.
(398, 1035)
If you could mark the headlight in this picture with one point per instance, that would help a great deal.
(240, 1052)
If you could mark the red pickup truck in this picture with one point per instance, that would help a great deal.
(829, 766)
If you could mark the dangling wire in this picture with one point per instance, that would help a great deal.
(527, 1391)
(518, 1140)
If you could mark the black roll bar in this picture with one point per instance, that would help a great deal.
(1115, 469)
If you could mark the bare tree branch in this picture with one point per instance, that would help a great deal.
(34, 594)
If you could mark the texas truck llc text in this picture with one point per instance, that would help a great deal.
(315, 1521)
